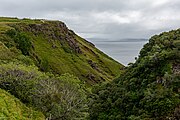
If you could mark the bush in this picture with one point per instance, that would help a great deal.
(61, 97)
(12, 33)
(22, 40)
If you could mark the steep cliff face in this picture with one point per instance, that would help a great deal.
(55, 48)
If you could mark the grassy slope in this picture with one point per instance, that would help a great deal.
(61, 59)
(12, 109)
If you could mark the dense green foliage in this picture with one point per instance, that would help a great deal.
(149, 88)
(22, 40)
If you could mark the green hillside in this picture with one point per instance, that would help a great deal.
(12, 109)
(48, 68)
(149, 89)
(54, 48)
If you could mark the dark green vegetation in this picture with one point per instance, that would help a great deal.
(149, 89)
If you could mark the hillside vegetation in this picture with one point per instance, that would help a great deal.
(12, 109)
(48, 72)
(57, 97)
(48, 68)
(149, 89)
(54, 48)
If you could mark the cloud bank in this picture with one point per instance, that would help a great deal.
(111, 19)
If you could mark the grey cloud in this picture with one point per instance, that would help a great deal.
(102, 18)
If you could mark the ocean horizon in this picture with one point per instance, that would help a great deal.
(122, 50)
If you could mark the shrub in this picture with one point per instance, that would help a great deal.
(22, 40)
(60, 97)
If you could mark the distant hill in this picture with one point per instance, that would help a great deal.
(119, 40)
(149, 89)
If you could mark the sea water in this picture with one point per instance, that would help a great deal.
(123, 51)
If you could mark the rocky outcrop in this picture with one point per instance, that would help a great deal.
(54, 30)
(176, 68)
(93, 65)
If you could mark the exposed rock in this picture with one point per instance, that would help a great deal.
(54, 46)
(73, 44)
(56, 31)
(90, 50)
(91, 76)
(91, 44)
(177, 113)
(92, 64)
(176, 68)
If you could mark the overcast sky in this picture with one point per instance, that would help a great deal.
(114, 19)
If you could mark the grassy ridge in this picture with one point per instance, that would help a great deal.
(55, 48)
